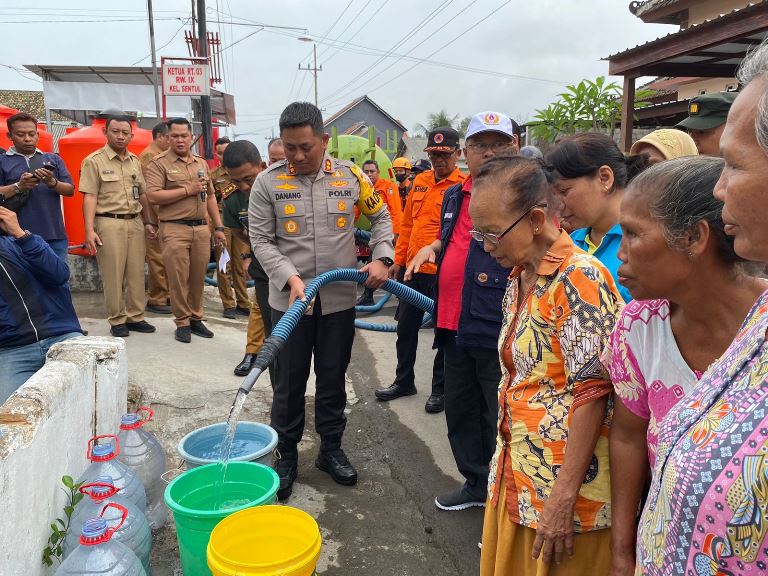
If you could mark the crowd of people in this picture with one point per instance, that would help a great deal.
(600, 318)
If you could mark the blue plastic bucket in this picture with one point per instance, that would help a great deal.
(254, 442)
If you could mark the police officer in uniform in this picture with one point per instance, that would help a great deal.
(117, 217)
(300, 219)
(178, 182)
(234, 274)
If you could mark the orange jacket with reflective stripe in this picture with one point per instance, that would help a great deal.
(389, 193)
(420, 223)
(391, 196)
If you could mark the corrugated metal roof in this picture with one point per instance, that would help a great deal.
(722, 19)
(356, 102)
(640, 8)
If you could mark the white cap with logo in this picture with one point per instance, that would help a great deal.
(490, 122)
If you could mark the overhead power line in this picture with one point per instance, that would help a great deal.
(407, 36)
(426, 60)
(355, 17)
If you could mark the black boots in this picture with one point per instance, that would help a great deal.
(333, 461)
(286, 464)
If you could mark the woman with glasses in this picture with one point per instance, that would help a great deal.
(591, 173)
(548, 508)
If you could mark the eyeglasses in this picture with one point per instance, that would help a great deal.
(483, 147)
(494, 239)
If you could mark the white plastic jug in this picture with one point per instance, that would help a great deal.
(104, 462)
(142, 452)
(134, 532)
(98, 555)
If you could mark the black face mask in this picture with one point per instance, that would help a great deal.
(400, 178)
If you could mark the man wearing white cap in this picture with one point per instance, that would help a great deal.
(470, 289)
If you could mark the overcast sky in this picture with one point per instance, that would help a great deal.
(521, 54)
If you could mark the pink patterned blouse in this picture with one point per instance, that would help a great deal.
(648, 372)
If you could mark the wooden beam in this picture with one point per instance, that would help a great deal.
(627, 113)
(667, 109)
(682, 70)
(730, 28)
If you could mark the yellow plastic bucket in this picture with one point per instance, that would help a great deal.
(265, 541)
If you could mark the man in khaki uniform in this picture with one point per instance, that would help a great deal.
(157, 283)
(178, 182)
(113, 202)
(234, 275)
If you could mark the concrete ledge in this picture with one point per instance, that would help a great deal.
(79, 393)
(84, 274)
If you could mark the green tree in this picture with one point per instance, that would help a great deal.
(436, 120)
(463, 125)
(586, 106)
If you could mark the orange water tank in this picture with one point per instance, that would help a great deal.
(45, 143)
(45, 138)
(73, 148)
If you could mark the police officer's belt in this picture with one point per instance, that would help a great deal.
(186, 222)
(118, 216)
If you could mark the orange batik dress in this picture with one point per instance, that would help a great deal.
(550, 356)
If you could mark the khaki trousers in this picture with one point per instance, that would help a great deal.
(186, 250)
(157, 282)
(121, 264)
(234, 274)
(255, 328)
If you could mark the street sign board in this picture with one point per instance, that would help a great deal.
(186, 80)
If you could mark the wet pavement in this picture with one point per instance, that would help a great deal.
(386, 525)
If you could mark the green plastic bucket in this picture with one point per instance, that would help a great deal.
(190, 498)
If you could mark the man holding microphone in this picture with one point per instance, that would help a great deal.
(178, 182)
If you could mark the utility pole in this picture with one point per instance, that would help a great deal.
(205, 101)
(154, 59)
(314, 69)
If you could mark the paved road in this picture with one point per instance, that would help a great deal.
(387, 524)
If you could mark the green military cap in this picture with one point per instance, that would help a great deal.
(708, 111)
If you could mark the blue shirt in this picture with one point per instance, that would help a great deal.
(35, 302)
(607, 253)
(41, 214)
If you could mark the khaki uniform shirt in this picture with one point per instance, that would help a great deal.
(148, 154)
(167, 171)
(303, 225)
(117, 182)
(222, 185)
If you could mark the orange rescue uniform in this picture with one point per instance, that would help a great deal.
(391, 196)
(420, 223)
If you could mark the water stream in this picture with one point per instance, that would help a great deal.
(226, 449)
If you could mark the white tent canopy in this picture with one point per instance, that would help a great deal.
(77, 90)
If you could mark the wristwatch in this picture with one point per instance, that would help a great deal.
(386, 261)
(219, 228)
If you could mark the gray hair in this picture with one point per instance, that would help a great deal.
(680, 195)
(753, 67)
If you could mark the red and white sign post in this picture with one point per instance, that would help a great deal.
(185, 77)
